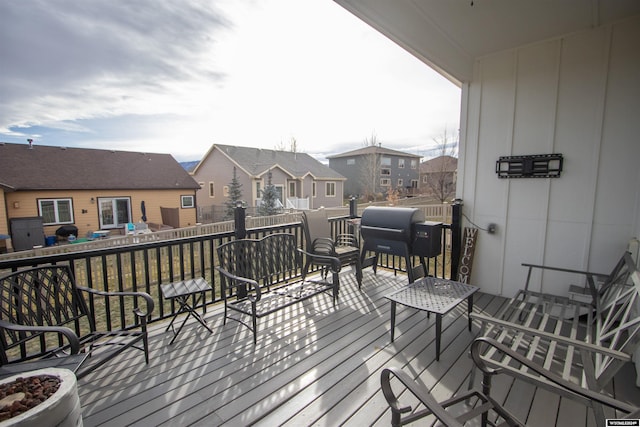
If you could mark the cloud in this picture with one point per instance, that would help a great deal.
(67, 60)
(176, 76)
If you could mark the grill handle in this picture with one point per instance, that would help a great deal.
(386, 230)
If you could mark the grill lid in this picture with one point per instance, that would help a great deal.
(389, 223)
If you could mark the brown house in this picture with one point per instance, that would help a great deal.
(438, 177)
(90, 189)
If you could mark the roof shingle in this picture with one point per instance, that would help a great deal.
(257, 161)
(58, 168)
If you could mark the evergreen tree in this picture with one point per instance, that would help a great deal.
(235, 195)
(269, 205)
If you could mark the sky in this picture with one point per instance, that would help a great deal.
(177, 76)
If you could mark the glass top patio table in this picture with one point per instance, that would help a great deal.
(433, 295)
(181, 292)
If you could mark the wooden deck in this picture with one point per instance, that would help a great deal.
(313, 365)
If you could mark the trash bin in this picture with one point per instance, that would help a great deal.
(50, 240)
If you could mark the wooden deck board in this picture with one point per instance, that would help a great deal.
(313, 365)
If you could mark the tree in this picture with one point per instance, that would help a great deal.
(269, 203)
(440, 172)
(235, 195)
(393, 195)
(370, 169)
(293, 146)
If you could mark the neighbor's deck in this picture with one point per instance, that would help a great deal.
(313, 365)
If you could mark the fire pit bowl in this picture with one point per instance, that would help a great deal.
(62, 408)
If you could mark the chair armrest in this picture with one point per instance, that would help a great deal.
(566, 270)
(74, 342)
(247, 281)
(419, 391)
(485, 366)
(552, 337)
(323, 245)
(145, 296)
(332, 261)
(591, 277)
(346, 240)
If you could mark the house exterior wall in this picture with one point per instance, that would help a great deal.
(355, 172)
(4, 226)
(321, 199)
(22, 204)
(217, 168)
(579, 96)
(306, 190)
(324, 199)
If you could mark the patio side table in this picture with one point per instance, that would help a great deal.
(181, 292)
(432, 295)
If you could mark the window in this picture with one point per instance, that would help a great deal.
(401, 163)
(114, 212)
(331, 189)
(212, 189)
(292, 189)
(187, 202)
(385, 161)
(385, 182)
(414, 183)
(385, 171)
(425, 179)
(351, 161)
(225, 191)
(55, 211)
(258, 189)
(313, 189)
(400, 182)
(414, 164)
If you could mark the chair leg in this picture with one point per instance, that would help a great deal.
(255, 328)
(145, 343)
(305, 270)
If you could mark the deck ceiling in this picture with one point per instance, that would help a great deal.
(449, 35)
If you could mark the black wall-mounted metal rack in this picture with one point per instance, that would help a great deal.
(530, 166)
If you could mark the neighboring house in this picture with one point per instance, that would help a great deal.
(438, 177)
(301, 181)
(91, 189)
(536, 78)
(375, 170)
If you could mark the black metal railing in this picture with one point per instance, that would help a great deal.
(145, 266)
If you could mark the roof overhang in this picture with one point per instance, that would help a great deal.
(450, 35)
(6, 188)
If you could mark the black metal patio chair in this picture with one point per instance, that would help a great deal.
(319, 241)
(44, 314)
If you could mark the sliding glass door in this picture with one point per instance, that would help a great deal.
(114, 212)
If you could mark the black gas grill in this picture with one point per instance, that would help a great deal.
(399, 231)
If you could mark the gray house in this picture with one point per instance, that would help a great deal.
(375, 170)
(301, 181)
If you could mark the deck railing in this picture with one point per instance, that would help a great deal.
(136, 265)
